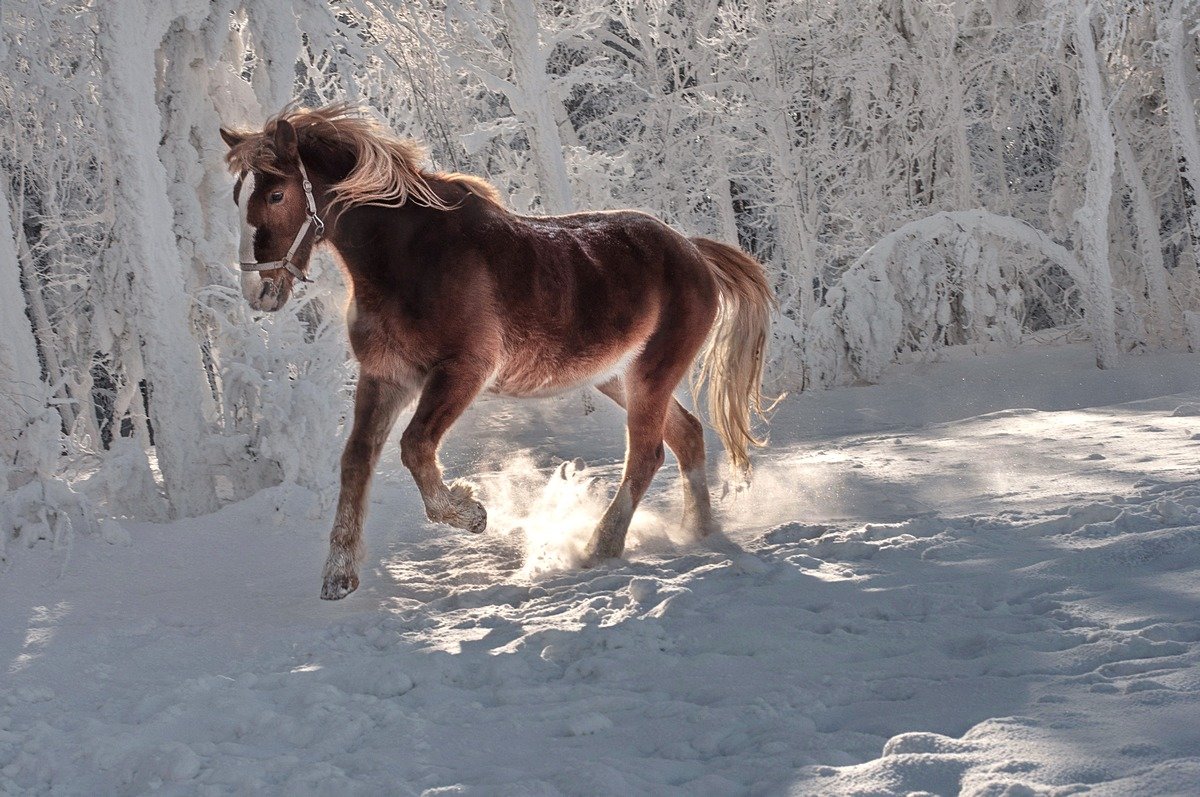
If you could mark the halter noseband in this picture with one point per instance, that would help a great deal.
(312, 220)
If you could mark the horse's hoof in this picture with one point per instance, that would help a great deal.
(466, 513)
(595, 558)
(699, 529)
(475, 518)
(338, 586)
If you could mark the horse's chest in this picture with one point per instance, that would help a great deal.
(386, 347)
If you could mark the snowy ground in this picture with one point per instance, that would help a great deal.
(980, 576)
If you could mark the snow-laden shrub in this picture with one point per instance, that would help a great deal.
(44, 510)
(939, 281)
(125, 483)
(870, 316)
(282, 385)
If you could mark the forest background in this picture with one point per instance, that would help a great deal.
(915, 175)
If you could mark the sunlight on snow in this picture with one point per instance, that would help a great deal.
(37, 637)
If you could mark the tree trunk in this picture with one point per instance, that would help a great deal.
(277, 40)
(142, 264)
(1091, 220)
(29, 439)
(1179, 70)
(1149, 242)
(42, 328)
(534, 101)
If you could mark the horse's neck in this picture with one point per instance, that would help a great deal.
(375, 244)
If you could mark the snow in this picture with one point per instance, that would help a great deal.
(978, 576)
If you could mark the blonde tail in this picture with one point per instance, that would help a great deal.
(732, 361)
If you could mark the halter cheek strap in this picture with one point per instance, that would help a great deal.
(312, 220)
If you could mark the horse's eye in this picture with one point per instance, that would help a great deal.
(276, 197)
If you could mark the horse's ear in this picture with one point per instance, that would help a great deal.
(287, 149)
(231, 138)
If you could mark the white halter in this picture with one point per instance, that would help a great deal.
(312, 220)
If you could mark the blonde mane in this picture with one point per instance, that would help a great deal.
(386, 169)
(476, 185)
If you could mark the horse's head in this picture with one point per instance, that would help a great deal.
(279, 219)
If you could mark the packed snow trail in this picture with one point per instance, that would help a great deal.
(980, 577)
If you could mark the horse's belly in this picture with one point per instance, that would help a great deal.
(537, 377)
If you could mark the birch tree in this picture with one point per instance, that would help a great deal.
(29, 441)
(1179, 79)
(1091, 218)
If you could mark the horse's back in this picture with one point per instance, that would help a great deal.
(605, 258)
(581, 294)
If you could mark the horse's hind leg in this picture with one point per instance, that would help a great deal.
(376, 405)
(685, 436)
(449, 389)
(646, 413)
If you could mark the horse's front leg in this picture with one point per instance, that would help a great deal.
(376, 405)
(449, 389)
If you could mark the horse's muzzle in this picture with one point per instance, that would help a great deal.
(266, 294)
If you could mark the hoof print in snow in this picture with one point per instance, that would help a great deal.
(588, 724)
(114, 533)
(383, 680)
(643, 589)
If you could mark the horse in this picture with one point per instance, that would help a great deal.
(453, 295)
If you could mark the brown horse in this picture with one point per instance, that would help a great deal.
(454, 295)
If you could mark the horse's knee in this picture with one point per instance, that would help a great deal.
(691, 422)
(642, 466)
(686, 438)
(648, 461)
(358, 452)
